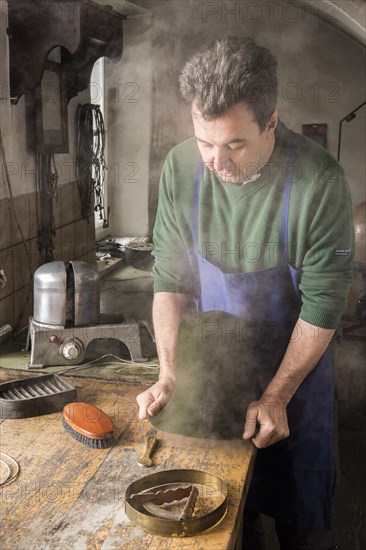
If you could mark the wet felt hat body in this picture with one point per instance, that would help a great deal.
(215, 378)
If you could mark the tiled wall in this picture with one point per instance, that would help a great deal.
(75, 239)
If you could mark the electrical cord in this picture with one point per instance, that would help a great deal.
(90, 161)
(120, 361)
(13, 338)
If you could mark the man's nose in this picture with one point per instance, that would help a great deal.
(220, 158)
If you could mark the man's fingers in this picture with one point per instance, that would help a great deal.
(260, 444)
(151, 402)
(250, 422)
(154, 399)
(272, 421)
(144, 401)
(154, 408)
(158, 404)
(143, 412)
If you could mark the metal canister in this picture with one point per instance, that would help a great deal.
(50, 294)
(86, 294)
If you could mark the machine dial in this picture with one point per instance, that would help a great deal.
(72, 349)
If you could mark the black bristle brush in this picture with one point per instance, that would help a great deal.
(88, 424)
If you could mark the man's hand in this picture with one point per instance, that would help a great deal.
(155, 398)
(307, 344)
(169, 309)
(270, 416)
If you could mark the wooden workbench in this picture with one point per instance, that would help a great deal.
(71, 496)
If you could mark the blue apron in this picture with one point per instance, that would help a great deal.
(293, 479)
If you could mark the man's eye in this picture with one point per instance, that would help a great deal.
(237, 147)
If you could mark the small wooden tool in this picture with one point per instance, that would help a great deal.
(145, 459)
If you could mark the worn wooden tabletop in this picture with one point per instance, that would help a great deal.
(71, 496)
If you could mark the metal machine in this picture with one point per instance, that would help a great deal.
(66, 317)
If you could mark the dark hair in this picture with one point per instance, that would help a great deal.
(230, 70)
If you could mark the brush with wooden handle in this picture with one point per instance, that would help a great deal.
(88, 424)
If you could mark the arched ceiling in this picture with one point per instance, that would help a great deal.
(347, 15)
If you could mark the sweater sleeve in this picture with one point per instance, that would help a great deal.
(327, 264)
(172, 271)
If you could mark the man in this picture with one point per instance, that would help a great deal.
(267, 213)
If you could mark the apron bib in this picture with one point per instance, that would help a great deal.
(293, 480)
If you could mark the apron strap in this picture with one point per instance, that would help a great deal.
(195, 205)
(286, 199)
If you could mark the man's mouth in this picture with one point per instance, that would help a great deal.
(228, 173)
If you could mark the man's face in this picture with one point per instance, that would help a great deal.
(232, 144)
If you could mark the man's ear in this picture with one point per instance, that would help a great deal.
(273, 121)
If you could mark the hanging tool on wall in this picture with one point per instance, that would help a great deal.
(90, 162)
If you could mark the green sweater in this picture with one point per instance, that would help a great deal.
(239, 226)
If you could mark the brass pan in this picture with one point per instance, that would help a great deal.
(174, 527)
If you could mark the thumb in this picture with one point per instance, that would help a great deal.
(154, 408)
(157, 404)
(250, 422)
(144, 401)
